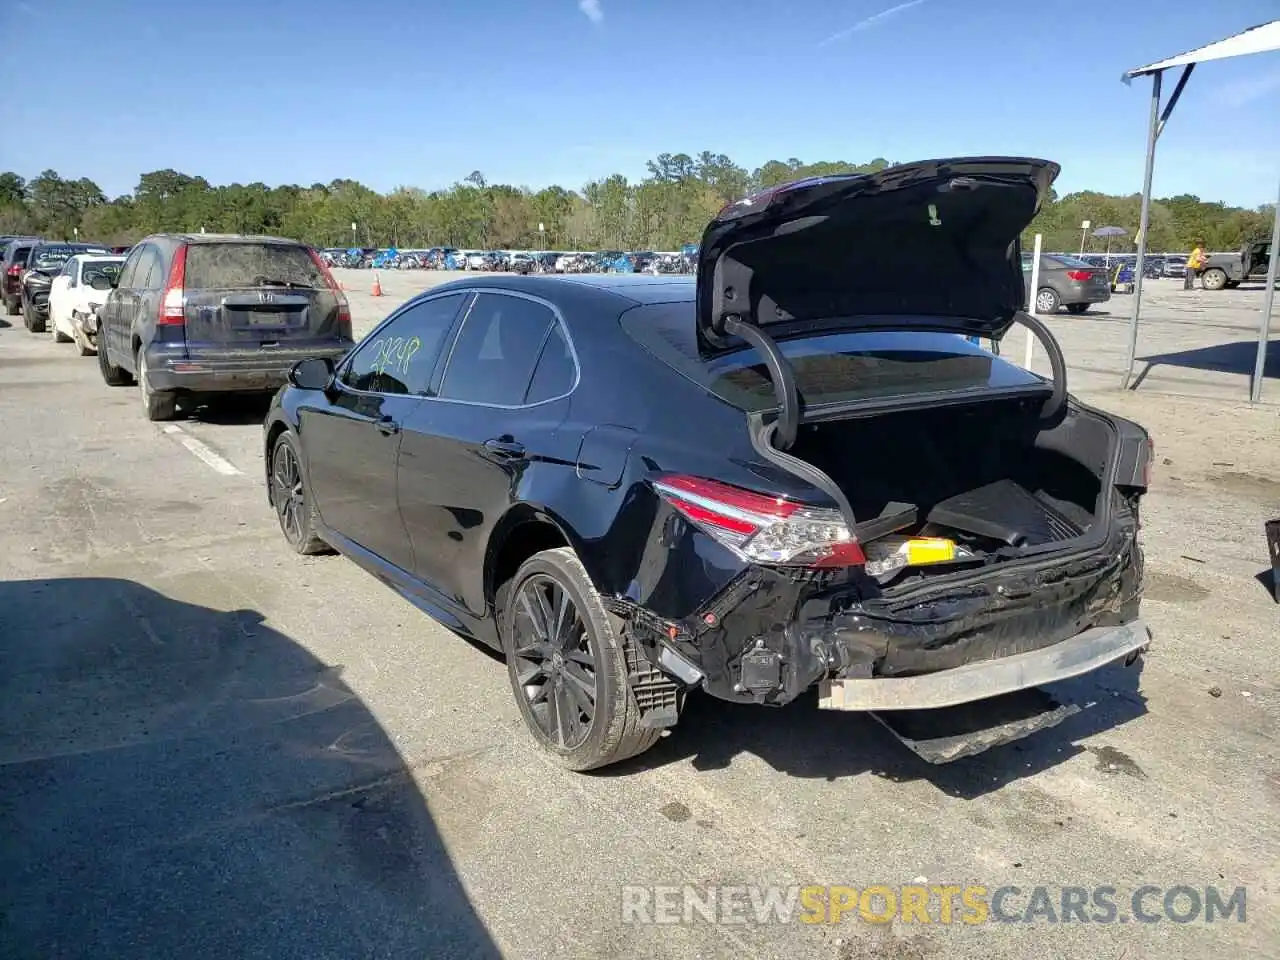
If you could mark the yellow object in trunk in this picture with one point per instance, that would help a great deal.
(925, 550)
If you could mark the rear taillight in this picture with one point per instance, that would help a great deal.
(344, 308)
(14, 270)
(760, 528)
(1080, 275)
(172, 302)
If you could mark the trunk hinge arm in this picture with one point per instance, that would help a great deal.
(1057, 363)
(780, 373)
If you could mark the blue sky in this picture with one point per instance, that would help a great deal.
(562, 91)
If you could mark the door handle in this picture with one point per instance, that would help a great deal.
(504, 449)
(387, 426)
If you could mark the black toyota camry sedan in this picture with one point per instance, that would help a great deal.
(793, 470)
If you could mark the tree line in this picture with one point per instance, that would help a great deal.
(667, 208)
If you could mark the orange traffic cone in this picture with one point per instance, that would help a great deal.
(377, 287)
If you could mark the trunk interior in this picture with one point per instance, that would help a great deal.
(990, 477)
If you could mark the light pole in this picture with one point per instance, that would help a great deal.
(1084, 229)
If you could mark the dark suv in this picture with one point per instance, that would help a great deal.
(12, 266)
(194, 315)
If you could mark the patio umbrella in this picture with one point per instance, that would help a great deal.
(1110, 232)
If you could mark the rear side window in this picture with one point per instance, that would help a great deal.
(834, 368)
(234, 266)
(20, 254)
(1069, 261)
(494, 356)
(556, 370)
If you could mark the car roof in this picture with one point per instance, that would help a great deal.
(224, 238)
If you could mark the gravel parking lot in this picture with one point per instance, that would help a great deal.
(212, 747)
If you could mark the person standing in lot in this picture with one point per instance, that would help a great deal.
(1195, 264)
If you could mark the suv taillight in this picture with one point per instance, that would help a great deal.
(344, 308)
(172, 302)
(14, 270)
(760, 528)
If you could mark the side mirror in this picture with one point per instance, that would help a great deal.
(314, 373)
(99, 282)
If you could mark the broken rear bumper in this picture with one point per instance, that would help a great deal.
(1081, 654)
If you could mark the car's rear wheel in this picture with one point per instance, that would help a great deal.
(292, 500)
(1213, 279)
(160, 405)
(568, 666)
(1047, 300)
(1077, 308)
(112, 375)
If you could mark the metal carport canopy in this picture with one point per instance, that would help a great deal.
(1264, 38)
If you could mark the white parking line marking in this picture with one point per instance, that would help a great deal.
(202, 450)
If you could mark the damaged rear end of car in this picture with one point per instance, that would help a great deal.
(923, 529)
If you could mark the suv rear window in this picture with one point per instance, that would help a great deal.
(833, 368)
(233, 266)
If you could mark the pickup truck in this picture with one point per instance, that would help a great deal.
(1224, 271)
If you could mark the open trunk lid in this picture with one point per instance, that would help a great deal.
(256, 294)
(930, 246)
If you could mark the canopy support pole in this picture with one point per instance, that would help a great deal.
(1268, 301)
(1153, 131)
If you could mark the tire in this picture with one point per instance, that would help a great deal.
(567, 662)
(159, 405)
(1047, 300)
(33, 323)
(112, 375)
(291, 498)
(1077, 308)
(1213, 279)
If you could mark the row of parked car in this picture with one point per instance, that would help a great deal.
(185, 317)
(512, 261)
(29, 267)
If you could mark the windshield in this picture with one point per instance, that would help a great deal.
(46, 259)
(835, 368)
(238, 266)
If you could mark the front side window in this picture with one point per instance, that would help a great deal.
(494, 356)
(400, 357)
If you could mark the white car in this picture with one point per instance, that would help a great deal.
(74, 298)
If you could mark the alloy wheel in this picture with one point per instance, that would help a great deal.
(286, 492)
(555, 666)
(1046, 301)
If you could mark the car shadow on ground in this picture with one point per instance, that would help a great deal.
(804, 741)
(1238, 357)
(180, 781)
(231, 411)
